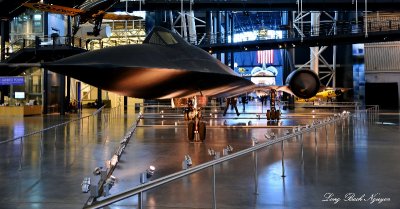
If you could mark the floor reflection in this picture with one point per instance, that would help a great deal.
(350, 156)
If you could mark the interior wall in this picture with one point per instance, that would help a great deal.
(376, 92)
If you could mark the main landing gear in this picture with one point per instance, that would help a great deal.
(196, 127)
(273, 113)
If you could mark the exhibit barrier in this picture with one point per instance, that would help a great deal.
(332, 105)
(211, 108)
(107, 180)
(370, 114)
(342, 118)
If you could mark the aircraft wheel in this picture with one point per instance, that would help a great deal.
(272, 114)
(191, 130)
(278, 115)
(268, 114)
(202, 130)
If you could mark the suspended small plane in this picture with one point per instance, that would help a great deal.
(93, 11)
(328, 94)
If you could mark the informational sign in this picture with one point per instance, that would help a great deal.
(12, 80)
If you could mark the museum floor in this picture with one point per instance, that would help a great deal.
(351, 164)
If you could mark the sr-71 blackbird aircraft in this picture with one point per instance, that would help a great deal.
(166, 66)
(90, 10)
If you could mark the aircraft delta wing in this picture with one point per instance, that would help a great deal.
(166, 66)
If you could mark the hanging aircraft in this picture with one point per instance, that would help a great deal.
(93, 11)
(165, 66)
(328, 94)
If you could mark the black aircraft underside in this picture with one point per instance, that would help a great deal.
(153, 83)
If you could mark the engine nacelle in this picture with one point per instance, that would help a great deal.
(303, 83)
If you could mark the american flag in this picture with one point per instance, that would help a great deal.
(265, 56)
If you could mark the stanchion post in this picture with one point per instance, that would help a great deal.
(140, 200)
(21, 145)
(302, 148)
(283, 162)
(213, 189)
(315, 136)
(255, 172)
(326, 132)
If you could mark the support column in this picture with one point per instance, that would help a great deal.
(209, 26)
(314, 50)
(3, 40)
(226, 58)
(2, 91)
(99, 98)
(61, 98)
(68, 90)
(69, 28)
(125, 103)
(45, 91)
(232, 37)
(192, 28)
(334, 51)
(218, 31)
(78, 95)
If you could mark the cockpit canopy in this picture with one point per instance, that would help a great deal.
(160, 36)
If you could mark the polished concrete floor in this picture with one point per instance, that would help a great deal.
(355, 168)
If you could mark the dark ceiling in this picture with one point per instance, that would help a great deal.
(11, 8)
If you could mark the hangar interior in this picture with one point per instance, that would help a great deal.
(333, 49)
(318, 153)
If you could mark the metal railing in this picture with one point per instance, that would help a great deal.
(105, 183)
(299, 131)
(370, 114)
(321, 104)
(43, 42)
(323, 30)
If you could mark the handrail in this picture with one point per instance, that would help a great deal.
(54, 126)
(161, 181)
